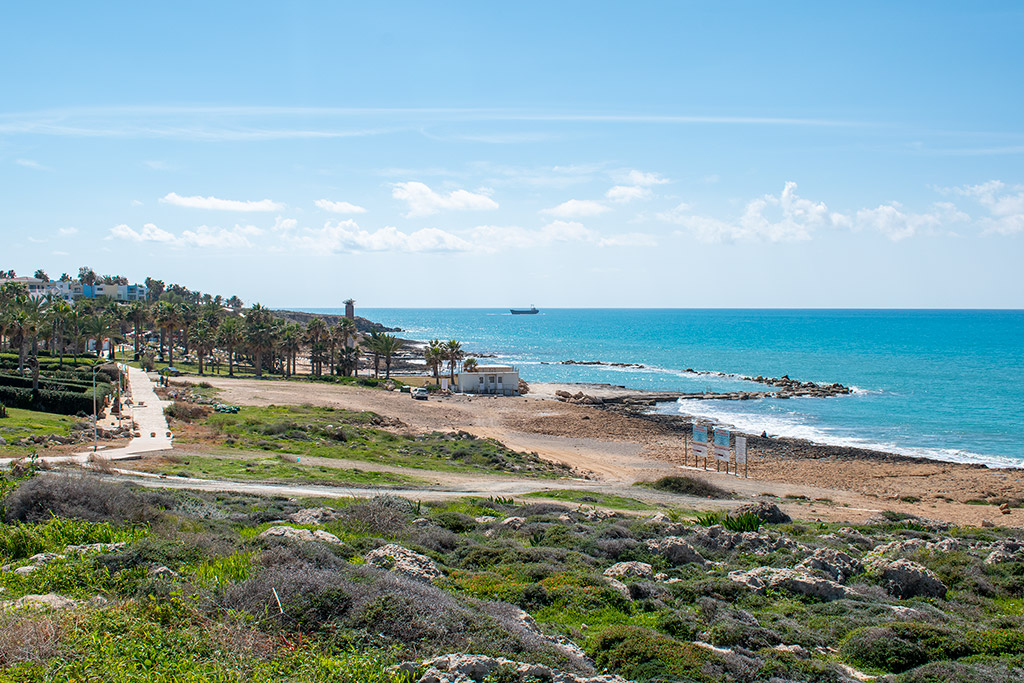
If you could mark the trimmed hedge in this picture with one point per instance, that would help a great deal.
(60, 402)
(53, 384)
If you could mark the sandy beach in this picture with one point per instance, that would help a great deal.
(619, 449)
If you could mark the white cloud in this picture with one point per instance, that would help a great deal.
(67, 232)
(218, 238)
(783, 218)
(34, 165)
(577, 208)
(338, 207)
(216, 204)
(284, 224)
(492, 238)
(157, 165)
(642, 179)
(347, 236)
(628, 193)
(897, 224)
(136, 202)
(202, 236)
(423, 201)
(1005, 205)
(149, 233)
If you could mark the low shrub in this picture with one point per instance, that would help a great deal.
(32, 638)
(18, 541)
(187, 412)
(879, 648)
(689, 486)
(748, 521)
(641, 654)
(79, 496)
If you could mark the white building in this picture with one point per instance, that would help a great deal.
(501, 380)
(38, 288)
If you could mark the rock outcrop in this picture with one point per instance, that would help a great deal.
(461, 668)
(835, 564)
(904, 579)
(676, 550)
(791, 580)
(769, 513)
(314, 516)
(302, 535)
(635, 570)
(394, 557)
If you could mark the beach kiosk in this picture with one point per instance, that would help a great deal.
(499, 380)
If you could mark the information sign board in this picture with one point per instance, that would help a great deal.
(741, 450)
(722, 445)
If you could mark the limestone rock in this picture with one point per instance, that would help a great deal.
(513, 522)
(163, 572)
(676, 550)
(801, 583)
(901, 547)
(905, 579)
(45, 558)
(463, 668)
(718, 537)
(293, 534)
(835, 564)
(616, 585)
(45, 601)
(27, 569)
(637, 570)
(95, 547)
(768, 513)
(314, 516)
(395, 558)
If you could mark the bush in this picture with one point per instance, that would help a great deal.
(47, 401)
(641, 654)
(879, 648)
(187, 412)
(748, 521)
(78, 496)
(689, 486)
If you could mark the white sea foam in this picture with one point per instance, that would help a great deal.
(791, 425)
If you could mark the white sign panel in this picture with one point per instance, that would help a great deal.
(700, 449)
(741, 450)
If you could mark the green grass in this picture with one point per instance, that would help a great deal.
(274, 470)
(344, 434)
(592, 498)
(18, 541)
(20, 423)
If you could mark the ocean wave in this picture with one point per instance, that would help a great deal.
(793, 425)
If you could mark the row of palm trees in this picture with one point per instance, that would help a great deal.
(205, 332)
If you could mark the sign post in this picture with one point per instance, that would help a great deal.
(700, 444)
(741, 454)
(722, 448)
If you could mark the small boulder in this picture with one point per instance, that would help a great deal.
(403, 561)
(769, 513)
(314, 516)
(45, 601)
(513, 523)
(835, 564)
(636, 570)
(676, 550)
(905, 579)
(163, 572)
(791, 580)
(304, 535)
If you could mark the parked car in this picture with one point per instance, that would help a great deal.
(419, 393)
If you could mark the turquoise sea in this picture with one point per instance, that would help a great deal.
(947, 385)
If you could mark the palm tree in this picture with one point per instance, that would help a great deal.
(291, 343)
(348, 360)
(59, 312)
(202, 335)
(165, 315)
(470, 365)
(453, 353)
(389, 345)
(260, 335)
(137, 314)
(230, 333)
(373, 345)
(316, 333)
(433, 353)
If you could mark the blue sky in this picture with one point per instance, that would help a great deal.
(566, 154)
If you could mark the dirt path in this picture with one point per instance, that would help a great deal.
(620, 450)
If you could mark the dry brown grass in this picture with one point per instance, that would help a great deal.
(31, 637)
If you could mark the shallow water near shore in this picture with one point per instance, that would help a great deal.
(947, 385)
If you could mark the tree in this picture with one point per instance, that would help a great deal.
(41, 275)
(348, 360)
(235, 303)
(453, 353)
(87, 276)
(389, 346)
(64, 277)
(470, 365)
(433, 354)
(373, 345)
(59, 312)
(202, 334)
(166, 316)
(137, 313)
(316, 336)
(291, 343)
(154, 288)
(260, 335)
(230, 334)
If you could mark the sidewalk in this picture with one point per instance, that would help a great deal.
(146, 409)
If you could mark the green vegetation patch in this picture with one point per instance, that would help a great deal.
(335, 433)
(592, 498)
(275, 470)
(688, 486)
(21, 423)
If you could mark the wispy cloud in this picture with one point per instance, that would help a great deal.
(203, 236)
(34, 165)
(493, 238)
(338, 207)
(347, 236)
(216, 204)
(577, 208)
(67, 232)
(424, 201)
(149, 233)
(1004, 204)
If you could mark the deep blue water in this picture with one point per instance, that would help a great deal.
(940, 384)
